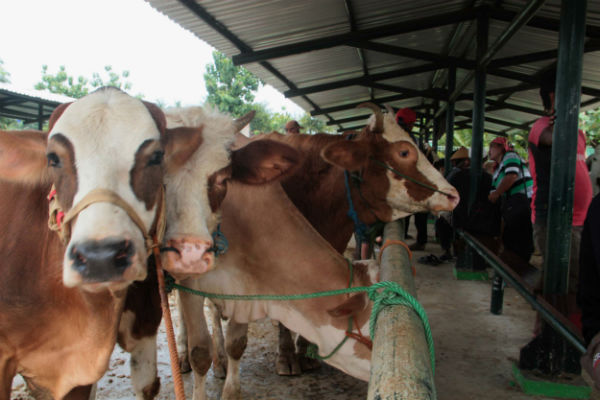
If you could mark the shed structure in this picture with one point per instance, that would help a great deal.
(473, 64)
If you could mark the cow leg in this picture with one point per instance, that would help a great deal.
(144, 379)
(235, 344)
(220, 357)
(82, 393)
(182, 340)
(306, 363)
(8, 370)
(287, 362)
(199, 343)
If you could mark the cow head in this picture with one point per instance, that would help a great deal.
(195, 192)
(106, 155)
(394, 177)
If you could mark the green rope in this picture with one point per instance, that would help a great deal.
(313, 350)
(392, 294)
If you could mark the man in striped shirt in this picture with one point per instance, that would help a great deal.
(512, 180)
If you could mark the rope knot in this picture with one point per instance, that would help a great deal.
(220, 242)
(169, 282)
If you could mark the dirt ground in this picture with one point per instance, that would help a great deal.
(474, 350)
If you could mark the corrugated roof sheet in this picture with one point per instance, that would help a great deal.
(267, 24)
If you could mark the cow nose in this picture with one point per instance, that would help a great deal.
(188, 257)
(102, 260)
(447, 201)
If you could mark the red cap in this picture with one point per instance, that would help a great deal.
(407, 116)
(500, 141)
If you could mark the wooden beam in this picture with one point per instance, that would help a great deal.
(400, 362)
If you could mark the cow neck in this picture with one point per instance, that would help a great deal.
(32, 285)
(263, 225)
(318, 191)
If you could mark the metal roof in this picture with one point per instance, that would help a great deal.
(329, 55)
(28, 105)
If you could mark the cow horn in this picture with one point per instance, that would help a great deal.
(244, 120)
(378, 115)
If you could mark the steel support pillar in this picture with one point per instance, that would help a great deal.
(450, 120)
(467, 261)
(478, 108)
(549, 352)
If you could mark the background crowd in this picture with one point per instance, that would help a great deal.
(511, 206)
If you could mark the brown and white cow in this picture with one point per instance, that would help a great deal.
(318, 189)
(61, 301)
(273, 249)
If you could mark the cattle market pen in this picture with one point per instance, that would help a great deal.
(461, 64)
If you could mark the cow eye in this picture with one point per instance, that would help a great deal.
(404, 153)
(156, 158)
(53, 160)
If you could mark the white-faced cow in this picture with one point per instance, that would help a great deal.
(273, 249)
(61, 300)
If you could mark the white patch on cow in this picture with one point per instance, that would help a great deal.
(143, 365)
(326, 337)
(398, 197)
(232, 388)
(185, 212)
(106, 128)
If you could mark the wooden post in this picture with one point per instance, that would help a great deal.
(400, 362)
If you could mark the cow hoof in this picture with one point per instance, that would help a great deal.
(288, 365)
(230, 392)
(308, 364)
(184, 365)
(219, 370)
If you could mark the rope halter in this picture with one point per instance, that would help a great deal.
(61, 222)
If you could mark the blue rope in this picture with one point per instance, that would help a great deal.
(220, 243)
(360, 229)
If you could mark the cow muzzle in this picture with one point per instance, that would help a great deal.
(446, 201)
(113, 261)
(188, 257)
(102, 260)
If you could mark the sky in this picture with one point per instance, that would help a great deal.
(165, 62)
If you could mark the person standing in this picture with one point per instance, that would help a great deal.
(512, 180)
(540, 152)
(588, 295)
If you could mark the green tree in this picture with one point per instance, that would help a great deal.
(314, 125)
(7, 123)
(63, 83)
(231, 89)
(4, 74)
(589, 122)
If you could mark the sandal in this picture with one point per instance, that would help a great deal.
(430, 260)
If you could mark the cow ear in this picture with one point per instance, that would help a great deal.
(23, 156)
(180, 144)
(58, 111)
(263, 161)
(350, 307)
(346, 154)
